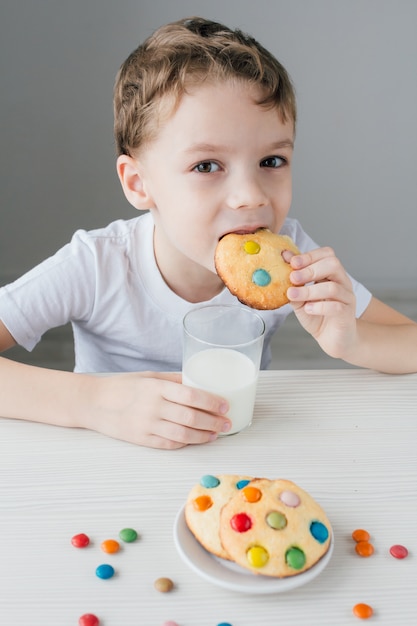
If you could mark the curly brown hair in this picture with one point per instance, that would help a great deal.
(151, 81)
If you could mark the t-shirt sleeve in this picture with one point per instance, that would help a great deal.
(304, 242)
(58, 290)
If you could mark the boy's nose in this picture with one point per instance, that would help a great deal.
(247, 194)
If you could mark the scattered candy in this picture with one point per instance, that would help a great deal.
(364, 548)
(361, 535)
(224, 624)
(80, 541)
(110, 546)
(170, 623)
(164, 585)
(128, 535)
(104, 571)
(363, 611)
(88, 620)
(398, 551)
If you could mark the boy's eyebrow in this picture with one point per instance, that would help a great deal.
(209, 147)
(286, 143)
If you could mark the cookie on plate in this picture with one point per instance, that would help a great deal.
(203, 506)
(253, 269)
(274, 528)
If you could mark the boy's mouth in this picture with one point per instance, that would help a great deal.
(243, 231)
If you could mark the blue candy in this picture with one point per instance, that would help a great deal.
(209, 482)
(104, 571)
(319, 531)
(261, 278)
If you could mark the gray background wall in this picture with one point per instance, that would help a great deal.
(354, 64)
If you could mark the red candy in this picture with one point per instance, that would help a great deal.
(88, 620)
(80, 541)
(398, 551)
(241, 522)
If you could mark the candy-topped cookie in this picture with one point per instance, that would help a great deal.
(274, 528)
(253, 269)
(204, 503)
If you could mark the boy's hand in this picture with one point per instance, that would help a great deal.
(323, 300)
(154, 409)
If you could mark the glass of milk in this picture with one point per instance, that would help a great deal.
(222, 351)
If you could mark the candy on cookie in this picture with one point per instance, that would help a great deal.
(203, 506)
(253, 269)
(274, 528)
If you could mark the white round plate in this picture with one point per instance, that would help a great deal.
(230, 575)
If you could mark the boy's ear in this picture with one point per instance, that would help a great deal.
(131, 180)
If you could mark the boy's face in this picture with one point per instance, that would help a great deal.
(219, 164)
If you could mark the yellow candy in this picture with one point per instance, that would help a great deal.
(251, 247)
(257, 556)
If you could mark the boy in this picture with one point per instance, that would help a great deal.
(204, 125)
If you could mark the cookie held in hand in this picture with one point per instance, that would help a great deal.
(253, 269)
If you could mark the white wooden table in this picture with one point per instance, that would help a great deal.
(349, 437)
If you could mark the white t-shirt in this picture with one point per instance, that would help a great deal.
(124, 316)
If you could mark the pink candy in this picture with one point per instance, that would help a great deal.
(289, 498)
(398, 551)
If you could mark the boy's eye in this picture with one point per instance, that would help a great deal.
(273, 161)
(206, 167)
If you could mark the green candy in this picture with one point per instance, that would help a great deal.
(276, 520)
(128, 535)
(295, 558)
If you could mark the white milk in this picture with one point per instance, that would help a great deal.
(229, 374)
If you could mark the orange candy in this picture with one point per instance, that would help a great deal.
(202, 503)
(363, 611)
(364, 548)
(110, 546)
(252, 494)
(361, 535)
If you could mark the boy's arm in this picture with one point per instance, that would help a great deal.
(323, 300)
(35, 393)
(146, 408)
(386, 340)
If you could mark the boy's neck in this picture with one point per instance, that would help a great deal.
(199, 290)
(190, 281)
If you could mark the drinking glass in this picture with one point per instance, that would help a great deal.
(222, 349)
